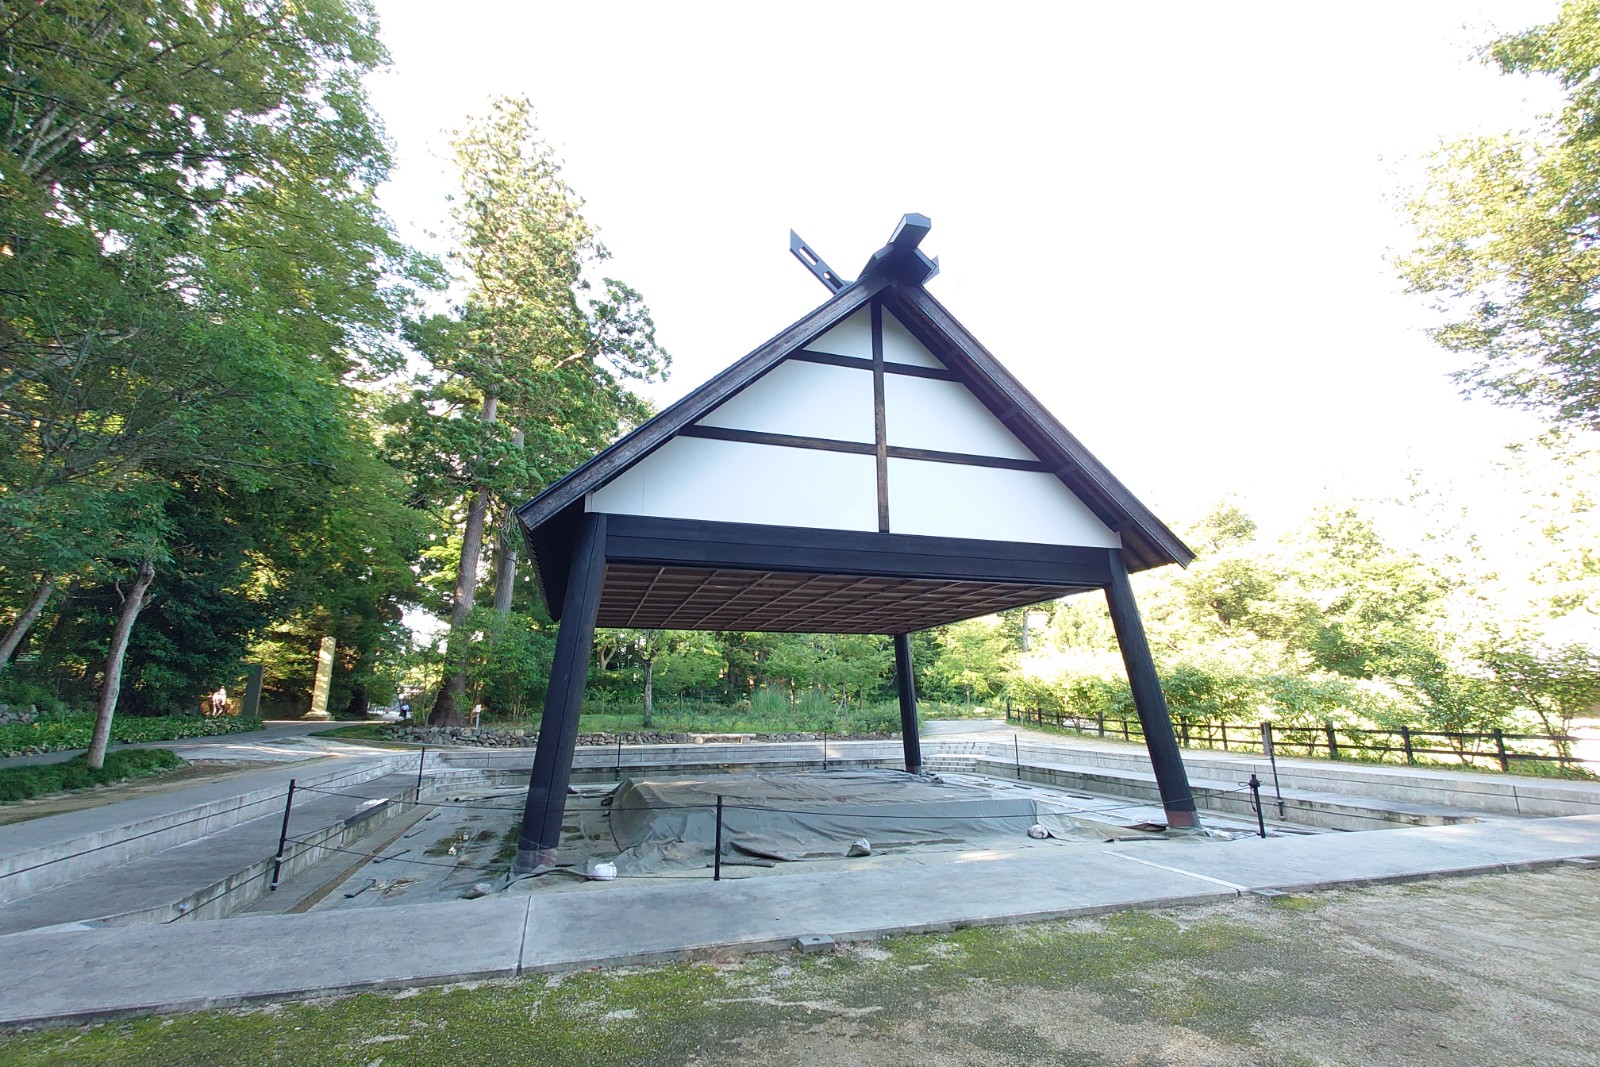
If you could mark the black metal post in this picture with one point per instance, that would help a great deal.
(422, 757)
(1333, 739)
(569, 672)
(1016, 755)
(716, 856)
(619, 757)
(1500, 749)
(1255, 793)
(1171, 779)
(824, 750)
(283, 838)
(1405, 739)
(905, 682)
(1266, 746)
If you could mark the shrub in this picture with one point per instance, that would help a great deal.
(24, 783)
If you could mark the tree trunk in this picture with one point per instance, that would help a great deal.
(505, 557)
(649, 692)
(505, 567)
(111, 685)
(446, 709)
(29, 616)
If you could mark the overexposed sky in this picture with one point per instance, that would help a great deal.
(1170, 220)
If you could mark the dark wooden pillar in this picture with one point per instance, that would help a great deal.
(569, 673)
(1171, 779)
(906, 682)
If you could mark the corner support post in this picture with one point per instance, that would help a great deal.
(1171, 779)
(558, 728)
(906, 682)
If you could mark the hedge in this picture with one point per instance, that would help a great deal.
(75, 731)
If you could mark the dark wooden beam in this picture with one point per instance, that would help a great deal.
(1171, 779)
(880, 432)
(558, 729)
(862, 448)
(910, 370)
(780, 440)
(745, 546)
(905, 681)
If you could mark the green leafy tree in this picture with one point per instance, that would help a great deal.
(192, 272)
(1509, 234)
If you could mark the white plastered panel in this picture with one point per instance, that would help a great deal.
(804, 400)
(725, 481)
(953, 500)
(929, 413)
(852, 337)
(900, 347)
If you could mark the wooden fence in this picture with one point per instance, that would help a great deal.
(1407, 744)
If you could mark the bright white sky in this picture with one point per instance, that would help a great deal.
(1170, 220)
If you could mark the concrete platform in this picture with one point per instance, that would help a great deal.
(66, 969)
(81, 973)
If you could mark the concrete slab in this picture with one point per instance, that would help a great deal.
(1330, 860)
(569, 930)
(187, 966)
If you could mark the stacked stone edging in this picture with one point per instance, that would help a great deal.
(523, 737)
(10, 715)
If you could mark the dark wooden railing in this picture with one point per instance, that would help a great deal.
(1407, 744)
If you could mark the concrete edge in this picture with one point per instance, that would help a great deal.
(31, 870)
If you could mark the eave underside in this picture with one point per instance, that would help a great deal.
(764, 601)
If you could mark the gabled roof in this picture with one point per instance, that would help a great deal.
(894, 278)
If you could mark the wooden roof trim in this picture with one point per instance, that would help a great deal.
(657, 431)
(1020, 401)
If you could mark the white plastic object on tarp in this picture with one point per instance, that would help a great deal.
(600, 872)
(1038, 831)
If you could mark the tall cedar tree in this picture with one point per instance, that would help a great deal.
(529, 371)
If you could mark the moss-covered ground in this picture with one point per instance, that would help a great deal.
(1415, 975)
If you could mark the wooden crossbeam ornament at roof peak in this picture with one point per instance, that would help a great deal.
(900, 258)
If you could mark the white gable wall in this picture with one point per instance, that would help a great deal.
(725, 481)
(900, 347)
(803, 400)
(778, 485)
(852, 337)
(929, 413)
(990, 504)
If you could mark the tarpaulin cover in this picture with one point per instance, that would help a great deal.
(659, 824)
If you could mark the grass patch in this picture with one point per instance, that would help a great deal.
(25, 783)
